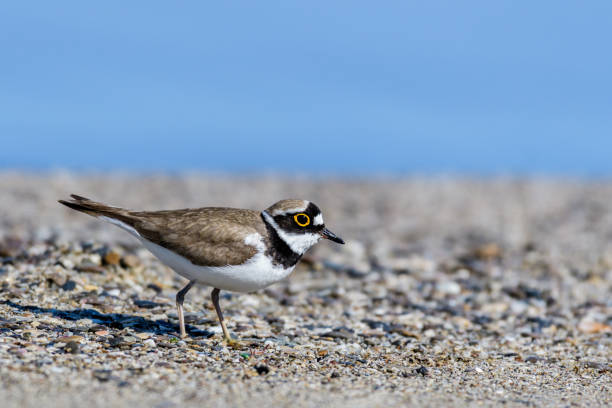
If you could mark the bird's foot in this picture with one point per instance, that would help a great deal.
(233, 343)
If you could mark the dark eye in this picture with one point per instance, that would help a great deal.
(301, 219)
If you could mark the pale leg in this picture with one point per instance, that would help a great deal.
(180, 296)
(214, 295)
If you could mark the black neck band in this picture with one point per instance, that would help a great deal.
(280, 252)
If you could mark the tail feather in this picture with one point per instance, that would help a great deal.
(76, 206)
(91, 207)
(79, 198)
(114, 215)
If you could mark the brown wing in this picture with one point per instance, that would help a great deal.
(206, 236)
(209, 236)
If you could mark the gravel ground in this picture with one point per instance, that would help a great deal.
(449, 291)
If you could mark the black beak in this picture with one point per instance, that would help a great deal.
(327, 234)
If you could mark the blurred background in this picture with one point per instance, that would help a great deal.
(343, 87)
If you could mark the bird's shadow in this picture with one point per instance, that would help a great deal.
(112, 320)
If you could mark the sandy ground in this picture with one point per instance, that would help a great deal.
(448, 292)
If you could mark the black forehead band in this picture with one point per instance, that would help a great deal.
(312, 210)
(286, 220)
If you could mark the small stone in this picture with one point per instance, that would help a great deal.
(111, 258)
(494, 308)
(262, 369)
(130, 339)
(592, 327)
(88, 266)
(146, 304)
(518, 307)
(130, 261)
(523, 291)
(72, 347)
(115, 341)
(449, 288)
(534, 359)
(102, 375)
(423, 371)
(149, 343)
(350, 348)
(114, 292)
(372, 333)
(68, 339)
(155, 287)
(69, 285)
(376, 324)
(339, 333)
(488, 251)
(58, 278)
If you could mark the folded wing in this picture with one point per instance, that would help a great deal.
(209, 236)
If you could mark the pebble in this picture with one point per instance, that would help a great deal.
(58, 278)
(488, 251)
(448, 288)
(423, 371)
(89, 266)
(339, 333)
(262, 369)
(147, 304)
(350, 348)
(111, 258)
(592, 327)
(130, 261)
(72, 347)
(68, 339)
(149, 343)
(534, 359)
(114, 292)
(69, 285)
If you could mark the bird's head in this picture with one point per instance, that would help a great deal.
(299, 223)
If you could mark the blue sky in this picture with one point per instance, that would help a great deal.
(345, 87)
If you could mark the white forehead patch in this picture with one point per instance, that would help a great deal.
(291, 210)
(318, 220)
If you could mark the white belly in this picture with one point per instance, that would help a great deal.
(257, 273)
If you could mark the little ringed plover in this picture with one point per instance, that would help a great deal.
(229, 249)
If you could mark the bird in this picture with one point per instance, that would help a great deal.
(230, 249)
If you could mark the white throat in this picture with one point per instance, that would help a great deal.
(299, 243)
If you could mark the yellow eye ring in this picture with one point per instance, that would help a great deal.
(303, 222)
